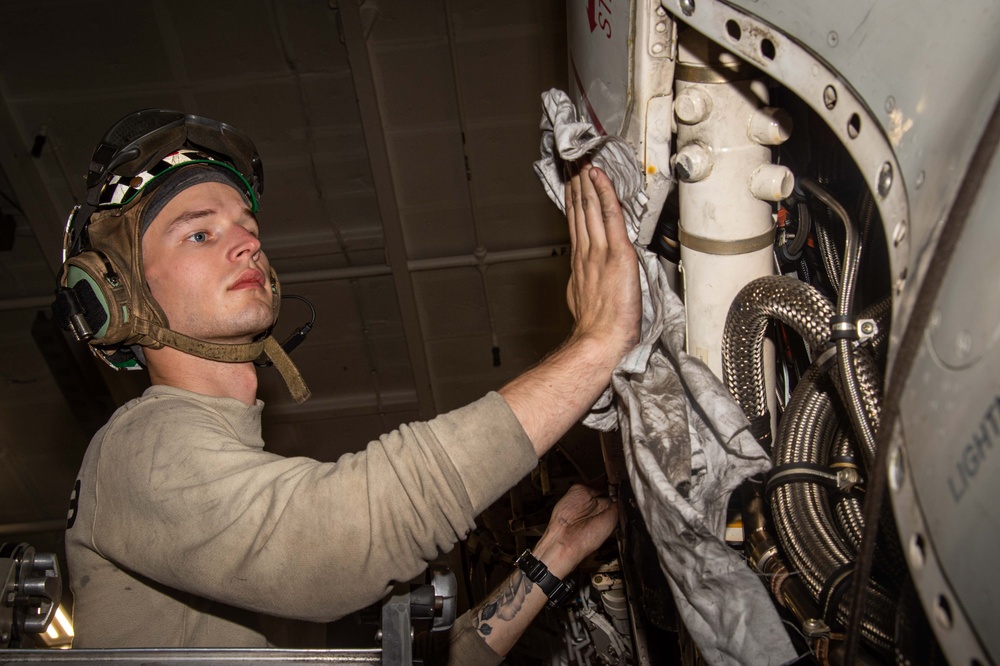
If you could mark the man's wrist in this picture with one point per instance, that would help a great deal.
(555, 588)
(600, 349)
(560, 559)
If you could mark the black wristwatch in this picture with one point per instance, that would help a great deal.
(558, 591)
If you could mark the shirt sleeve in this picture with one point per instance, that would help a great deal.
(183, 502)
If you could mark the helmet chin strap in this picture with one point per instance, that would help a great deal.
(293, 378)
(231, 353)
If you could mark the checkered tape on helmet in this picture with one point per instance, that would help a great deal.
(121, 190)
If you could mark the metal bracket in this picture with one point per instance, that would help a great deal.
(32, 590)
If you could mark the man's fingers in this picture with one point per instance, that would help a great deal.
(570, 213)
(601, 246)
(593, 208)
(611, 210)
(591, 204)
(578, 223)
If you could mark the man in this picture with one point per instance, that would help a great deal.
(184, 530)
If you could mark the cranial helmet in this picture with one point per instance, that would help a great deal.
(102, 296)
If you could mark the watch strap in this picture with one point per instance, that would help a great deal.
(558, 591)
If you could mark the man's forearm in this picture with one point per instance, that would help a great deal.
(549, 398)
(507, 613)
(504, 616)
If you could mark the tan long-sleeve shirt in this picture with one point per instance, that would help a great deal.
(186, 531)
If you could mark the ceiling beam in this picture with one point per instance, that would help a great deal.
(359, 56)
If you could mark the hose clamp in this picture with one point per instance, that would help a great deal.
(725, 247)
(843, 327)
(846, 480)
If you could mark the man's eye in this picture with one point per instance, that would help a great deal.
(198, 237)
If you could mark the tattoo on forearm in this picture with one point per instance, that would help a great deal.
(503, 605)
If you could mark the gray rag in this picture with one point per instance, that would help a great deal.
(687, 443)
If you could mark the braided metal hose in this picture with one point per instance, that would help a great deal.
(868, 385)
(848, 509)
(881, 312)
(791, 301)
(804, 523)
(802, 513)
(851, 382)
(829, 253)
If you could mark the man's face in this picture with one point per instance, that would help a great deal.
(204, 265)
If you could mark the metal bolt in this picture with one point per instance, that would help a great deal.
(687, 6)
(657, 48)
(770, 126)
(692, 163)
(692, 105)
(847, 478)
(885, 179)
(867, 329)
(833, 38)
(830, 97)
(890, 104)
(660, 27)
(814, 627)
(899, 233)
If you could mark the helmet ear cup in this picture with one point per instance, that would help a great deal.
(94, 292)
